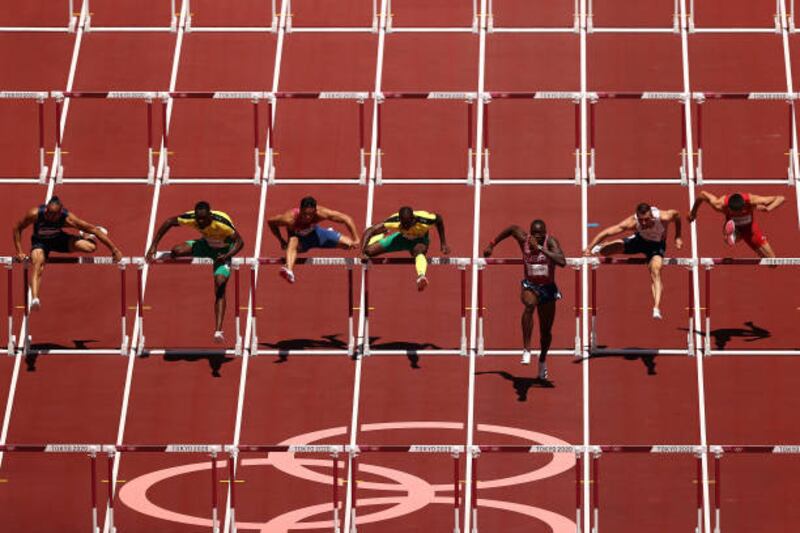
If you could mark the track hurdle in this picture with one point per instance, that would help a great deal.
(595, 263)
(39, 97)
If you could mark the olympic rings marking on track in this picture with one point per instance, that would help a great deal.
(418, 493)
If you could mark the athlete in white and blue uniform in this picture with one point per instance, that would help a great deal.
(541, 254)
(649, 225)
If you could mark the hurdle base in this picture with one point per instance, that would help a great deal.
(43, 174)
(123, 349)
(12, 345)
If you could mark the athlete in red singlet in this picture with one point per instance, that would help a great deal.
(740, 224)
(303, 232)
(541, 253)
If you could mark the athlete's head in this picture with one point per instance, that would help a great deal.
(406, 217)
(539, 230)
(308, 208)
(202, 213)
(644, 215)
(736, 202)
(53, 209)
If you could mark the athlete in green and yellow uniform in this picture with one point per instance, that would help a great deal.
(406, 230)
(219, 241)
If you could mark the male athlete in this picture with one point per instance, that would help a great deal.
(406, 230)
(304, 233)
(219, 241)
(541, 253)
(740, 224)
(49, 221)
(649, 225)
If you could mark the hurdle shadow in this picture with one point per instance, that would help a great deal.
(286, 346)
(42, 348)
(521, 385)
(215, 358)
(411, 349)
(648, 359)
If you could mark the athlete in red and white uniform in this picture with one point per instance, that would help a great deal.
(303, 232)
(541, 254)
(740, 224)
(649, 225)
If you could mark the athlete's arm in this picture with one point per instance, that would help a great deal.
(442, 240)
(611, 231)
(554, 252)
(275, 224)
(24, 222)
(167, 225)
(341, 218)
(766, 203)
(673, 215)
(238, 243)
(372, 230)
(75, 222)
(710, 199)
(511, 231)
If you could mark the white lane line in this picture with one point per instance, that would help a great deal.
(250, 328)
(50, 187)
(587, 514)
(363, 330)
(476, 230)
(789, 88)
(150, 230)
(701, 399)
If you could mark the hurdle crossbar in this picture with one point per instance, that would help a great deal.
(466, 97)
(709, 263)
(482, 263)
(39, 97)
(595, 262)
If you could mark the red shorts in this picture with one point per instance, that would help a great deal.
(752, 235)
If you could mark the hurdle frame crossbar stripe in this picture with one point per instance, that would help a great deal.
(709, 264)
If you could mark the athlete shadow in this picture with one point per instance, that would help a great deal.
(752, 333)
(42, 348)
(411, 349)
(215, 358)
(287, 346)
(521, 384)
(648, 359)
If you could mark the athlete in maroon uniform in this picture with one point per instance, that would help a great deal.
(541, 253)
(740, 224)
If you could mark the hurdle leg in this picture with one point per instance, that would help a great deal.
(456, 491)
(10, 308)
(593, 302)
(699, 167)
(254, 313)
(123, 310)
(93, 477)
(578, 490)
(140, 309)
(690, 312)
(151, 169)
(365, 340)
(596, 492)
(699, 483)
(463, 269)
(592, 158)
(578, 312)
(362, 151)
(351, 341)
(256, 143)
(577, 103)
(214, 497)
(470, 147)
(481, 342)
(237, 309)
(353, 492)
(717, 490)
(336, 493)
(486, 177)
(42, 166)
(707, 344)
(110, 473)
(474, 492)
(232, 457)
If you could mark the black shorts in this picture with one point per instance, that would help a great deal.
(635, 244)
(544, 293)
(59, 243)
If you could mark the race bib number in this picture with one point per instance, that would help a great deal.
(537, 270)
(743, 220)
